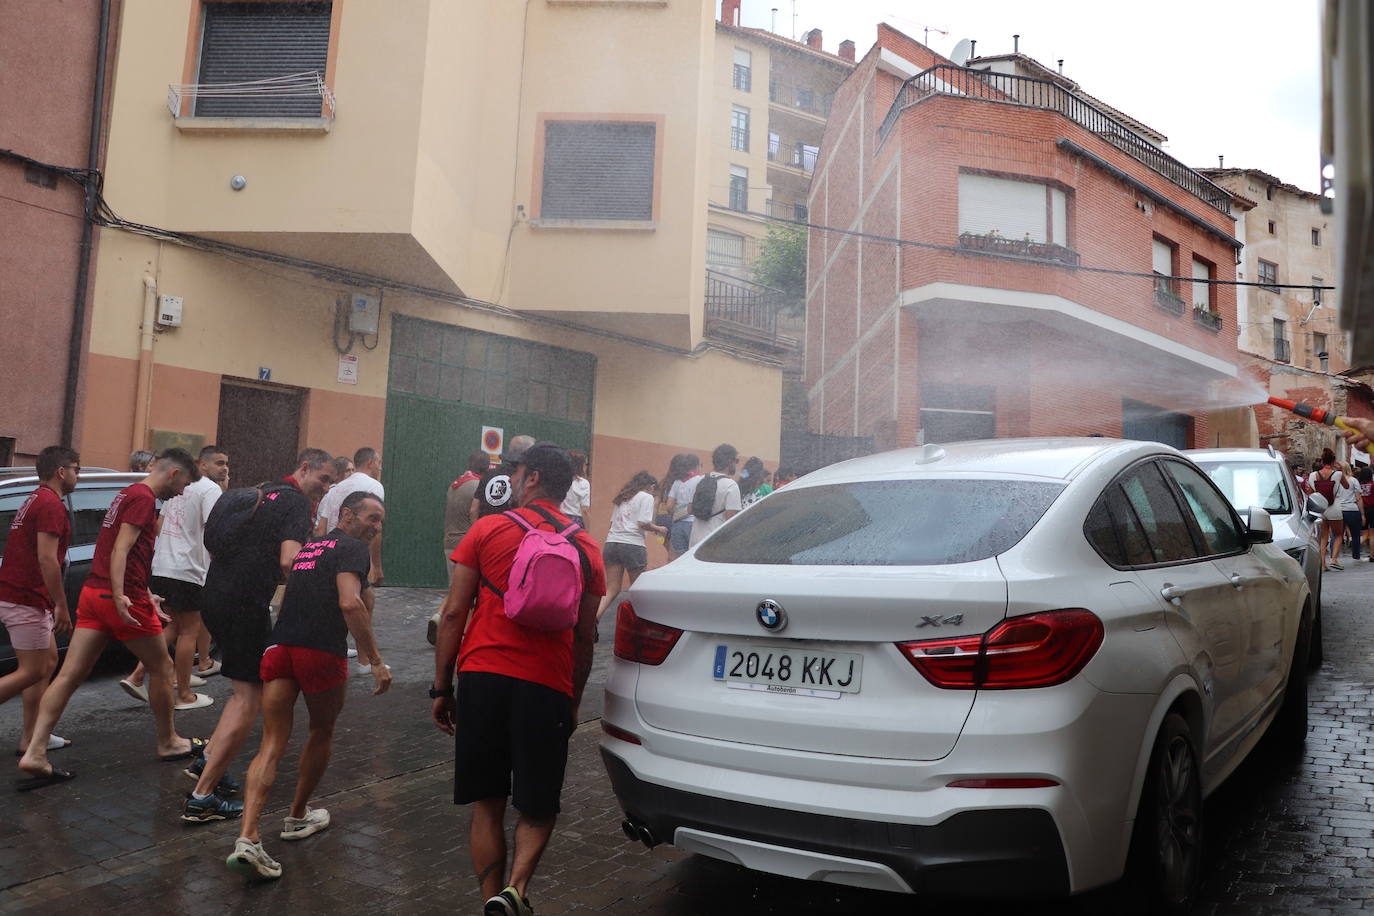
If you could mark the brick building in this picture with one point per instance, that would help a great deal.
(1010, 190)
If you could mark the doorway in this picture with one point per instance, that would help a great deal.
(260, 430)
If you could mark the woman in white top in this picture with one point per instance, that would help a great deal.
(579, 498)
(625, 551)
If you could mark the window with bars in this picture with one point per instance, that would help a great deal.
(247, 42)
(739, 187)
(1319, 350)
(1281, 350)
(1269, 275)
(602, 170)
(739, 128)
(743, 78)
(724, 250)
(491, 370)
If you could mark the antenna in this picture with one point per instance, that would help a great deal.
(961, 53)
(794, 20)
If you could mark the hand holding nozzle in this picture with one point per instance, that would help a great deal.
(1357, 432)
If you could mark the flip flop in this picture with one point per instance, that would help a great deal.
(197, 749)
(37, 782)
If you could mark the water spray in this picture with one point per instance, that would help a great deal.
(1317, 415)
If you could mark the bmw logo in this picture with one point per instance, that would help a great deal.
(770, 614)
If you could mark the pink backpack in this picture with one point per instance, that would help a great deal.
(544, 590)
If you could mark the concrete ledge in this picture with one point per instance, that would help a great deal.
(255, 125)
(632, 225)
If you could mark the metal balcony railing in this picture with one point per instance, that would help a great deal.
(744, 78)
(801, 98)
(739, 138)
(1032, 92)
(799, 157)
(743, 311)
(1166, 298)
(299, 95)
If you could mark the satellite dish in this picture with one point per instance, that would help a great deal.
(961, 52)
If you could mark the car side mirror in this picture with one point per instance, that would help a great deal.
(1316, 506)
(1259, 527)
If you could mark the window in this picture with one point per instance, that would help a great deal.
(1272, 227)
(1216, 523)
(773, 144)
(743, 78)
(804, 157)
(1163, 257)
(739, 128)
(245, 42)
(598, 170)
(739, 187)
(799, 212)
(724, 249)
(1269, 275)
(1319, 350)
(1166, 532)
(1202, 290)
(883, 523)
(1281, 340)
(1020, 210)
(1115, 532)
(1317, 284)
(1316, 238)
(1251, 483)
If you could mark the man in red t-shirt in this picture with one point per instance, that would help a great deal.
(116, 604)
(32, 601)
(518, 688)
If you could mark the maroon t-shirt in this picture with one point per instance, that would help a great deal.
(134, 505)
(21, 578)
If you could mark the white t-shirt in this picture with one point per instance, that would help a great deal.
(625, 519)
(329, 506)
(727, 500)
(579, 498)
(681, 494)
(179, 552)
(1346, 491)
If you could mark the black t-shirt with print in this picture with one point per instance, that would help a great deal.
(494, 490)
(252, 571)
(310, 615)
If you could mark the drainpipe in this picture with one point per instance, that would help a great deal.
(76, 343)
(144, 391)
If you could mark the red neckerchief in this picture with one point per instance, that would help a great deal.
(467, 475)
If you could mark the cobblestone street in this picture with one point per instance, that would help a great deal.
(1283, 838)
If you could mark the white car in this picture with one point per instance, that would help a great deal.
(1007, 666)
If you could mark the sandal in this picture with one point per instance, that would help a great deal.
(197, 749)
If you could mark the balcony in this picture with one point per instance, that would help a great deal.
(1207, 318)
(1166, 299)
(1030, 92)
(1020, 248)
(739, 139)
(1283, 352)
(800, 98)
(745, 313)
(295, 102)
(801, 156)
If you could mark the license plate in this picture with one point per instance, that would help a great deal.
(805, 672)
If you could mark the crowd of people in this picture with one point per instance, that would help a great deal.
(280, 574)
(1348, 516)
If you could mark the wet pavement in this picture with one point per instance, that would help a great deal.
(1283, 837)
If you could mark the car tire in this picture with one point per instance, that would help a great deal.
(1314, 653)
(1164, 866)
(1288, 733)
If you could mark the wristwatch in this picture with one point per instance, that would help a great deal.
(435, 693)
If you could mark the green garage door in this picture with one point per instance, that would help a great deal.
(445, 384)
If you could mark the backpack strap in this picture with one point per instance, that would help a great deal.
(568, 533)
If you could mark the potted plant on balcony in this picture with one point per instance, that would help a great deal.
(1206, 316)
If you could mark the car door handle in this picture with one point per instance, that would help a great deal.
(1173, 594)
(1240, 581)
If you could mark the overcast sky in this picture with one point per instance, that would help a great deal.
(1217, 77)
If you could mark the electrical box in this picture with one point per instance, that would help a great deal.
(169, 311)
(365, 314)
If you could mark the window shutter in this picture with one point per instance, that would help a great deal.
(743, 58)
(254, 41)
(1162, 258)
(598, 170)
(1059, 217)
(1202, 292)
(1014, 208)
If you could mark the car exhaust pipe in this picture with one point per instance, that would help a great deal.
(638, 833)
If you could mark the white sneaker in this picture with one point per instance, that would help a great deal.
(252, 861)
(298, 828)
(352, 653)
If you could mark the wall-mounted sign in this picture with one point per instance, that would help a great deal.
(348, 369)
(493, 441)
(264, 374)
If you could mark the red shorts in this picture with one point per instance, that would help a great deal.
(95, 610)
(312, 669)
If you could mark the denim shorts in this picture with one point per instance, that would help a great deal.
(628, 556)
(680, 535)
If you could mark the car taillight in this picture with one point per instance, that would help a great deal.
(642, 641)
(1037, 650)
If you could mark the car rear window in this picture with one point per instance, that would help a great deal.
(1251, 483)
(883, 523)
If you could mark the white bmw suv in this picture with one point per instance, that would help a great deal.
(1011, 664)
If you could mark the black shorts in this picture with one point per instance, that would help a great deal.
(627, 556)
(177, 595)
(241, 628)
(512, 740)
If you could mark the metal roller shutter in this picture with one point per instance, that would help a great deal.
(598, 170)
(254, 41)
